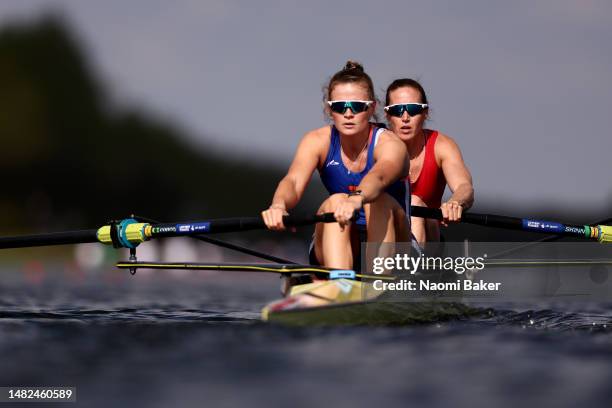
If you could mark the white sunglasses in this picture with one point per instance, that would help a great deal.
(413, 109)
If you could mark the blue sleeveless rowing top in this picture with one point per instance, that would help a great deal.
(338, 179)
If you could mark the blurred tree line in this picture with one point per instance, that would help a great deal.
(68, 159)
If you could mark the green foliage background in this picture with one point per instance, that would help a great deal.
(69, 159)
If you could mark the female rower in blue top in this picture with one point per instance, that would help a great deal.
(360, 166)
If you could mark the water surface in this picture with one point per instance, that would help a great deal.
(162, 339)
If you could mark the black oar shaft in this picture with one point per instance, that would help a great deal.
(472, 218)
(54, 238)
(231, 225)
(225, 244)
(501, 221)
(156, 231)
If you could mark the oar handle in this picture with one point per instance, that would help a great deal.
(236, 224)
(425, 212)
(471, 218)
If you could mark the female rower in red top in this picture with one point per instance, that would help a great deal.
(362, 167)
(435, 159)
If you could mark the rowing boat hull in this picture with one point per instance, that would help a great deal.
(343, 302)
(370, 313)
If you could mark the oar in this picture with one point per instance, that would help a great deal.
(129, 233)
(284, 269)
(602, 233)
(227, 245)
(547, 238)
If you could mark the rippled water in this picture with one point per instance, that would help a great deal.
(158, 340)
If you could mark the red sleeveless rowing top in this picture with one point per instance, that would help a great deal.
(430, 184)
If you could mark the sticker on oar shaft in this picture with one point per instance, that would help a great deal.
(162, 230)
(342, 274)
(192, 227)
(571, 229)
(543, 226)
(183, 229)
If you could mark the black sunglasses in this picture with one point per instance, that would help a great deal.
(398, 109)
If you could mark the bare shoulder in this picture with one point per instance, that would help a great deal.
(389, 143)
(445, 147)
(445, 141)
(322, 132)
(388, 136)
(315, 143)
(317, 137)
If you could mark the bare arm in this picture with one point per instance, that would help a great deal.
(390, 165)
(292, 186)
(457, 176)
(306, 159)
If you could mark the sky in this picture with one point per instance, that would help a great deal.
(524, 87)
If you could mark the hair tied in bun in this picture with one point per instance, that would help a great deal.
(353, 66)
